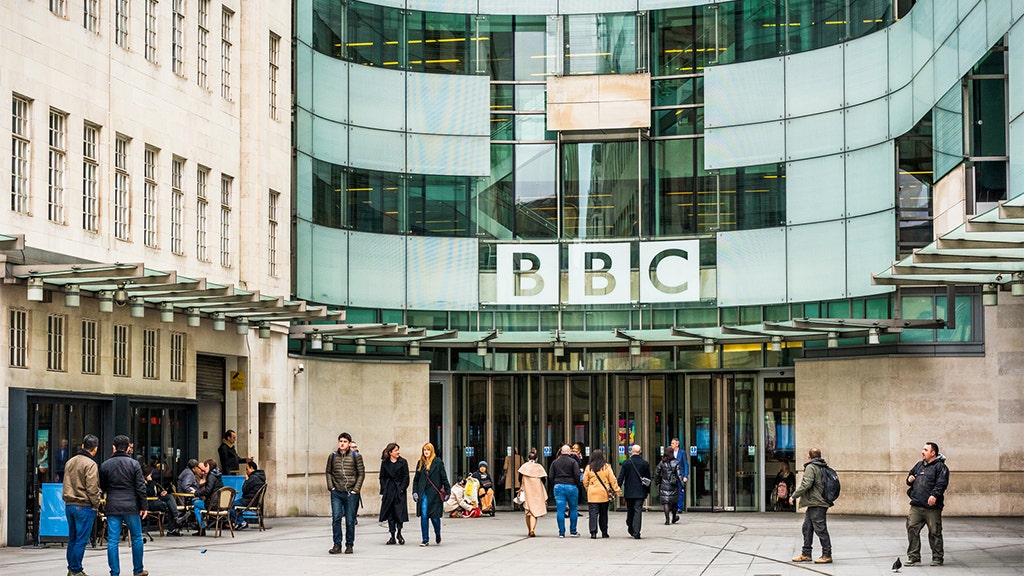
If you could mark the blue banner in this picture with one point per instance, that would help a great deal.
(52, 520)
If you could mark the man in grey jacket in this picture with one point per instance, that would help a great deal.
(345, 474)
(811, 495)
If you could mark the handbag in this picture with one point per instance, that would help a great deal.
(520, 497)
(645, 482)
(611, 493)
(440, 492)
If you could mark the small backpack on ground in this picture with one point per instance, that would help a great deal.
(831, 487)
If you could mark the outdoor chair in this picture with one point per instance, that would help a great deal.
(253, 509)
(220, 509)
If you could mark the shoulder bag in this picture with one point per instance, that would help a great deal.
(611, 493)
(646, 482)
(440, 492)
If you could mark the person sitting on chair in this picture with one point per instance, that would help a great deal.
(486, 492)
(164, 502)
(208, 485)
(255, 479)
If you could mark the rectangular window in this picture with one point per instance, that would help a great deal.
(90, 339)
(122, 189)
(225, 53)
(152, 19)
(202, 213)
(177, 205)
(122, 350)
(150, 354)
(59, 7)
(202, 40)
(58, 161)
(275, 57)
(225, 221)
(90, 177)
(20, 154)
(272, 232)
(18, 338)
(177, 357)
(121, 22)
(55, 328)
(91, 16)
(150, 191)
(178, 37)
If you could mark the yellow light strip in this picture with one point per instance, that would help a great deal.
(585, 55)
(352, 44)
(358, 189)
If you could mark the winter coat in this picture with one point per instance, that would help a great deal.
(230, 461)
(187, 481)
(122, 480)
(213, 483)
(564, 470)
(257, 479)
(345, 472)
(533, 474)
(667, 478)
(597, 494)
(630, 472)
(394, 483)
(82, 481)
(421, 485)
(930, 479)
(510, 473)
(812, 487)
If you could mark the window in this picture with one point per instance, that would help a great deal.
(178, 37)
(275, 56)
(151, 29)
(91, 16)
(20, 154)
(58, 166)
(150, 354)
(272, 232)
(150, 191)
(177, 204)
(55, 324)
(225, 53)
(122, 189)
(177, 357)
(202, 38)
(202, 213)
(90, 177)
(90, 338)
(18, 338)
(225, 221)
(121, 22)
(59, 7)
(122, 350)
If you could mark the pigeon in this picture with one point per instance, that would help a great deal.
(897, 565)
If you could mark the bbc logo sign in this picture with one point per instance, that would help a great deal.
(599, 273)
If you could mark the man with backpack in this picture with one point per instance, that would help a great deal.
(814, 495)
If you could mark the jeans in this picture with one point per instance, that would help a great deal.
(566, 494)
(80, 519)
(916, 520)
(343, 506)
(198, 505)
(682, 497)
(634, 515)
(598, 517)
(425, 522)
(814, 523)
(134, 524)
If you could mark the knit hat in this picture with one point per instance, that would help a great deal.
(482, 464)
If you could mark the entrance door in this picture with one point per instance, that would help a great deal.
(722, 430)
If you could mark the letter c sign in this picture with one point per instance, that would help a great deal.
(670, 271)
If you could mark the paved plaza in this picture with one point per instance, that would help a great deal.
(701, 544)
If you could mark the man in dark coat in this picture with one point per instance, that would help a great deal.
(631, 477)
(230, 461)
(255, 479)
(928, 480)
(208, 486)
(122, 480)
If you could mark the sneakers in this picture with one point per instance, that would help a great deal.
(241, 525)
(574, 534)
(336, 549)
(823, 560)
(936, 562)
(425, 543)
(348, 550)
(912, 563)
(802, 558)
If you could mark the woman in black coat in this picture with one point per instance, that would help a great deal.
(430, 489)
(394, 481)
(667, 477)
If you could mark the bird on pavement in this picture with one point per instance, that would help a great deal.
(897, 565)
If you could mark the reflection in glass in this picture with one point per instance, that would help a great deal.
(327, 197)
(495, 218)
(327, 18)
(438, 205)
(600, 189)
(600, 44)
(815, 24)
(374, 201)
(536, 202)
(439, 42)
(374, 35)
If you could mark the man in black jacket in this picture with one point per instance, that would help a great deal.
(122, 480)
(565, 478)
(255, 479)
(208, 486)
(230, 461)
(631, 477)
(928, 480)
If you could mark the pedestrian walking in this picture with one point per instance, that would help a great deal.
(81, 499)
(565, 475)
(601, 486)
(122, 480)
(345, 475)
(928, 480)
(394, 482)
(635, 479)
(668, 480)
(534, 496)
(811, 495)
(430, 490)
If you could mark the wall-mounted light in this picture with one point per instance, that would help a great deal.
(709, 345)
(166, 312)
(120, 295)
(137, 306)
(990, 295)
(192, 320)
(35, 290)
(635, 348)
(328, 343)
(219, 323)
(776, 344)
(872, 335)
(481, 348)
(241, 326)
(264, 330)
(316, 341)
(414, 348)
(106, 298)
(360, 346)
(833, 339)
(1017, 288)
(559, 348)
(72, 296)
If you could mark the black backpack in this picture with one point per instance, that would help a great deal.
(830, 485)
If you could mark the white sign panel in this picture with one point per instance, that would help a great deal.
(670, 271)
(599, 273)
(527, 274)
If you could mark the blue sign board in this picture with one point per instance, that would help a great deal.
(693, 450)
(547, 451)
(469, 451)
(234, 482)
(52, 520)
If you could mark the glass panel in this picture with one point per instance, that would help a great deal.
(816, 135)
(432, 320)
(684, 40)
(679, 91)
(327, 197)
(750, 31)
(816, 263)
(779, 438)
(530, 97)
(742, 356)
(656, 436)
(918, 308)
(377, 149)
(678, 122)
(867, 124)
(870, 179)
(439, 42)
(554, 417)
(530, 48)
(964, 314)
(439, 205)
(600, 44)
(752, 197)
(369, 110)
(744, 430)
(867, 16)
(675, 206)
(988, 117)
(700, 434)
(815, 23)
(536, 202)
(582, 431)
(600, 190)
(502, 127)
(812, 188)
(532, 127)
(495, 218)
(374, 201)
(503, 419)
(990, 181)
(500, 46)
(753, 143)
(698, 317)
(374, 35)
(327, 19)
(607, 319)
(630, 404)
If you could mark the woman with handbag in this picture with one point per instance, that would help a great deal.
(394, 481)
(430, 490)
(668, 479)
(601, 486)
(533, 495)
